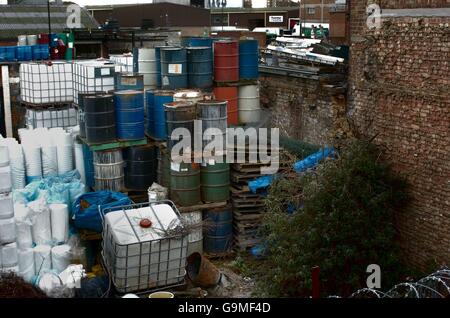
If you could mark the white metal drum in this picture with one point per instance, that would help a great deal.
(249, 106)
(146, 65)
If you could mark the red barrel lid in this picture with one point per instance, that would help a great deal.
(145, 223)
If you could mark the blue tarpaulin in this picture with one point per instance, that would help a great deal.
(312, 160)
(260, 183)
(89, 218)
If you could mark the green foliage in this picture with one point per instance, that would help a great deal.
(298, 148)
(344, 221)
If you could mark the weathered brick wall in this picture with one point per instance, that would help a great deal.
(399, 88)
(303, 109)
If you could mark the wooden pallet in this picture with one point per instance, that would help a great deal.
(202, 206)
(243, 178)
(242, 217)
(113, 144)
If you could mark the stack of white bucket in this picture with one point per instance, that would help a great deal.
(48, 152)
(33, 236)
(8, 247)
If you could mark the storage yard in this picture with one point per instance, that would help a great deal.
(128, 168)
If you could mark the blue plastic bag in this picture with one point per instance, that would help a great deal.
(89, 218)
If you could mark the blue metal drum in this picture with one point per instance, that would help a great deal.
(158, 66)
(248, 59)
(160, 98)
(197, 41)
(129, 81)
(174, 68)
(149, 103)
(40, 52)
(129, 115)
(200, 67)
(24, 53)
(219, 237)
(88, 166)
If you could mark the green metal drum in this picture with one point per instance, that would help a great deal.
(185, 183)
(163, 170)
(215, 179)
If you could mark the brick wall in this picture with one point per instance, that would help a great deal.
(304, 109)
(399, 91)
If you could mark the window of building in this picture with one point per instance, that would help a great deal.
(311, 11)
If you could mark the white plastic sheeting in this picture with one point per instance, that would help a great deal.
(9, 255)
(42, 258)
(79, 161)
(26, 264)
(6, 206)
(40, 214)
(23, 226)
(5, 179)
(61, 257)
(7, 231)
(59, 215)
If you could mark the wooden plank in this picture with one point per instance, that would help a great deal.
(7, 101)
(202, 206)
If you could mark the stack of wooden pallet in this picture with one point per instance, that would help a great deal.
(248, 207)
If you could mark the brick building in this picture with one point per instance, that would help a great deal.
(399, 91)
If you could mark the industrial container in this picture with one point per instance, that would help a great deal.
(88, 158)
(129, 81)
(144, 246)
(123, 62)
(140, 167)
(230, 94)
(92, 76)
(64, 116)
(180, 115)
(200, 73)
(248, 59)
(174, 73)
(108, 170)
(249, 106)
(81, 117)
(32, 39)
(219, 235)
(197, 41)
(193, 222)
(44, 84)
(213, 115)
(7, 53)
(40, 52)
(100, 120)
(188, 95)
(160, 98)
(226, 61)
(129, 108)
(185, 183)
(24, 53)
(215, 180)
(149, 109)
(144, 62)
(163, 170)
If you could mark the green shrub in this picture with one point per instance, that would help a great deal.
(343, 221)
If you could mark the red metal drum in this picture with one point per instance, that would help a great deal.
(230, 94)
(226, 61)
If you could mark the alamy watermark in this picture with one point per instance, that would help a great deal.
(373, 20)
(73, 16)
(230, 145)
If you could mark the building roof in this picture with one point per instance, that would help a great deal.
(161, 14)
(33, 19)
